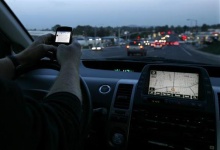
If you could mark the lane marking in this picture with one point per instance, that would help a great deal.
(186, 51)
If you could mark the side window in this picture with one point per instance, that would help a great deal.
(7, 47)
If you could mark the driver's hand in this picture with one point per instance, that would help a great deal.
(40, 48)
(69, 54)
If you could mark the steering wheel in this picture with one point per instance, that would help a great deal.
(87, 109)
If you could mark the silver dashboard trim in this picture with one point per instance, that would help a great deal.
(104, 86)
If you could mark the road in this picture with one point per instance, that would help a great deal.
(181, 52)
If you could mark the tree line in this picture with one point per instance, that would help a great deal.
(122, 31)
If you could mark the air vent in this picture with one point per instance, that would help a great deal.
(123, 96)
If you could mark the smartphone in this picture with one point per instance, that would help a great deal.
(63, 35)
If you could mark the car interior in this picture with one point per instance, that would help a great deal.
(126, 107)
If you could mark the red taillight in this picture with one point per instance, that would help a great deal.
(176, 43)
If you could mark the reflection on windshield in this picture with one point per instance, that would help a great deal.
(189, 36)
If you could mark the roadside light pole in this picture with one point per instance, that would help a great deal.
(126, 34)
(196, 22)
(196, 25)
(190, 25)
(119, 35)
(95, 36)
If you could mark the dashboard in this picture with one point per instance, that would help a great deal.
(144, 105)
(174, 108)
(136, 104)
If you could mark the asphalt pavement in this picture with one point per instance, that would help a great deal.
(181, 52)
(207, 56)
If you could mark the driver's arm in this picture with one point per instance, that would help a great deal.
(51, 123)
(38, 49)
(68, 79)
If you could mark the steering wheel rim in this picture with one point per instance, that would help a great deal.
(87, 109)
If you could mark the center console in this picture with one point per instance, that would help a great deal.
(173, 108)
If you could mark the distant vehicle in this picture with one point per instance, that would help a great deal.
(136, 47)
(151, 43)
(176, 43)
(121, 43)
(91, 40)
(170, 43)
(158, 45)
(183, 37)
(82, 41)
(98, 47)
(163, 42)
(147, 43)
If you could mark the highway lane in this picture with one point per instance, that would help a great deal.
(182, 52)
(116, 51)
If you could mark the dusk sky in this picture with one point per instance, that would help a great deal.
(47, 13)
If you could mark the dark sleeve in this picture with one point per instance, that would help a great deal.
(53, 123)
(66, 110)
(13, 118)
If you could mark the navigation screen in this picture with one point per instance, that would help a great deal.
(174, 84)
(63, 36)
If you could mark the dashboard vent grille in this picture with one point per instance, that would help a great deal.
(123, 96)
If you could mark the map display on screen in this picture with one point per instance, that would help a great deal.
(174, 84)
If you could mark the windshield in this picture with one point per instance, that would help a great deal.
(186, 30)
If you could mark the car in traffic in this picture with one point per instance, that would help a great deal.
(82, 41)
(171, 43)
(163, 42)
(136, 47)
(168, 100)
(158, 45)
(98, 47)
(147, 43)
(176, 43)
(151, 43)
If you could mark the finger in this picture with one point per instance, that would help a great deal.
(44, 39)
(75, 43)
(61, 46)
(51, 55)
(50, 48)
(50, 51)
(49, 38)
